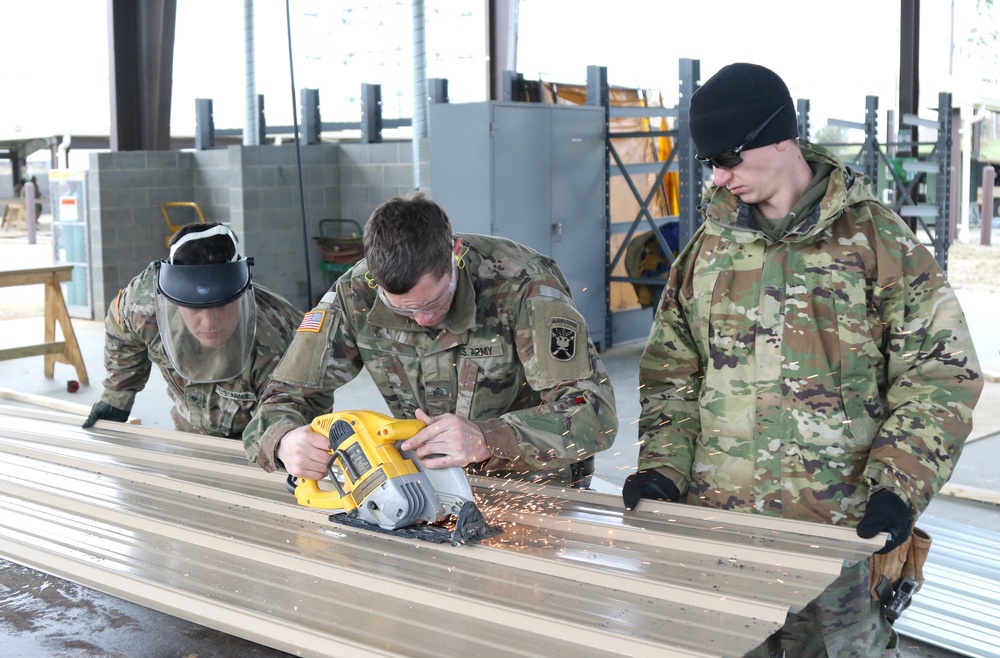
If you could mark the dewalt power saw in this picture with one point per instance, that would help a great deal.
(378, 486)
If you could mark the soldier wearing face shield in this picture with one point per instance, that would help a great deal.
(215, 335)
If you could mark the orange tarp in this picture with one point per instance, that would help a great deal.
(624, 205)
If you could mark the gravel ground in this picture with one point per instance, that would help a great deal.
(974, 267)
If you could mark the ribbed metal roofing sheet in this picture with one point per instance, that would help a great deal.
(182, 524)
(958, 606)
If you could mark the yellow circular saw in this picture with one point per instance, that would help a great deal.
(378, 486)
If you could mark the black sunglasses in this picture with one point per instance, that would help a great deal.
(731, 158)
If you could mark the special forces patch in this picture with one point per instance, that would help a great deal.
(562, 338)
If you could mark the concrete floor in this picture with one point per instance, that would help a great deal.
(45, 616)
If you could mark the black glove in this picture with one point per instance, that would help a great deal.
(104, 411)
(648, 484)
(886, 511)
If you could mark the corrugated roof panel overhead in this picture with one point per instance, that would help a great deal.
(183, 524)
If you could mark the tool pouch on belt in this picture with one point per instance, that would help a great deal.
(904, 561)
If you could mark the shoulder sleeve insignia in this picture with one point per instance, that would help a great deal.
(312, 321)
(562, 338)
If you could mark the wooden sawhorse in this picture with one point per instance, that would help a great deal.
(64, 351)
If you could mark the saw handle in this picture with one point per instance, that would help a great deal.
(308, 493)
(385, 429)
(338, 426)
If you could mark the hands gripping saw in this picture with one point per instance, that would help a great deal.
(377, 486)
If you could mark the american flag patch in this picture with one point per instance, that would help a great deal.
(313, 321)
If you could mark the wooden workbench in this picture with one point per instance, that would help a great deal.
(14, 217)
(66, 350)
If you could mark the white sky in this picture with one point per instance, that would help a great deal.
(832, 54)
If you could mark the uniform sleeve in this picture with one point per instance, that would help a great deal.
(933, 375)
(576, 416)
(126, 355)
(322, 357)
(670, 378)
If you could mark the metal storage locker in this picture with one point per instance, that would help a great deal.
(532, 173)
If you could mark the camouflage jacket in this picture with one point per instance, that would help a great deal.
(793, 377)
(513, 355)
(132, 346)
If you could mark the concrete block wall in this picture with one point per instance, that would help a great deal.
(373, 173)
(215, 183)
(127, 229)
(254, 190)
(268, 214)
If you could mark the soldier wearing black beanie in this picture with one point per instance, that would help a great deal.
(736, 101)
(808, 360)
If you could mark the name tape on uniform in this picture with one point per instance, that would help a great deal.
(480, 351)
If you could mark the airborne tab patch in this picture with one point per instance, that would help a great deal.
(562, 338)
(562, 346)
(312, 321)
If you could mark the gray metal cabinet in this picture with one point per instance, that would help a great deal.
(532, 173)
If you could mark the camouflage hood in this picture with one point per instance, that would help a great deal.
(724, 211)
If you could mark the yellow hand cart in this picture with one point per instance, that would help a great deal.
(173, 228)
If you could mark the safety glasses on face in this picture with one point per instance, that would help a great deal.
(429, 306)
(731, 158)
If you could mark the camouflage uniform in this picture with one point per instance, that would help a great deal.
(133, 345)
(513, 355)
(793, 377)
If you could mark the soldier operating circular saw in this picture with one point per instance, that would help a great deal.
(476, 337)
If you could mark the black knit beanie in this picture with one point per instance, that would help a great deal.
(734, 102)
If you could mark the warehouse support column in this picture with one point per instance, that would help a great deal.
(419, 87)
(141, 48)
(251, 123)
(986, 214)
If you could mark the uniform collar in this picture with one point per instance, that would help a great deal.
(726, 211)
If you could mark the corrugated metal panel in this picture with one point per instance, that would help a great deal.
(182, 524)
(958, 607)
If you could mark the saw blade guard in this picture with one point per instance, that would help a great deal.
(451, 485)
(400, 502)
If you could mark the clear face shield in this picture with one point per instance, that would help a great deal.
(206, 315)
